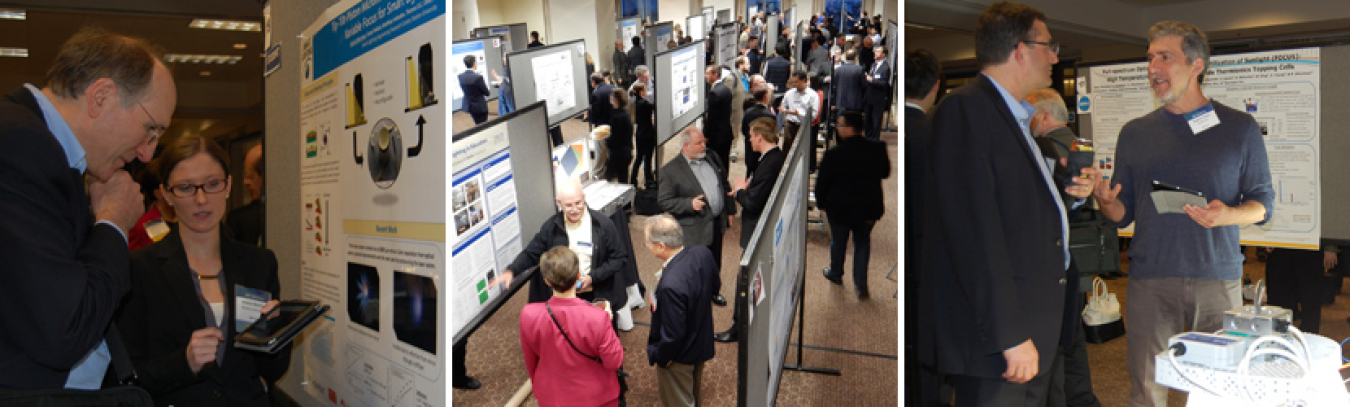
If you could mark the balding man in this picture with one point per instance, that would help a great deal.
(693, 189)
(680, 342)
(68, 203)
(594, 238)
(246, 222)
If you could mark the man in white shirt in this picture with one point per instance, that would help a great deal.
(798, 99)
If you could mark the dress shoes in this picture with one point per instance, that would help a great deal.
(862, 293)
(726, 336)
(466, 382)
(837, 279)
(719, 300)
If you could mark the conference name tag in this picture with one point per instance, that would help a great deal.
(1202, 119)
(248, 304)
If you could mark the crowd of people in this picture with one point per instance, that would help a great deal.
(842, 92)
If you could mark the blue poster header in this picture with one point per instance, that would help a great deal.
(367, 25)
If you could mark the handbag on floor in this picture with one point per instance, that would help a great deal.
(1101, 317)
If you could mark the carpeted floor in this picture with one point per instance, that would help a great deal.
(859, 338)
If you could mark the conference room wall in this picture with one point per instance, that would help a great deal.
(675, 11)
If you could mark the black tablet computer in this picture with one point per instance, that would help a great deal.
(277, 328)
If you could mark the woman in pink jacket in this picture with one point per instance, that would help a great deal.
(571, 350)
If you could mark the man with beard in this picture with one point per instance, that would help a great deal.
(1186, 268)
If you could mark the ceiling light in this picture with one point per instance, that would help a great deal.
(206, 73)
(13, 14)
(229, 25)
(13, 52)
(203, 59)
(240, 46)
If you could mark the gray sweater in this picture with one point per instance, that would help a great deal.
(1227, 162)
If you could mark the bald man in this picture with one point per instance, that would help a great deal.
(602, 253)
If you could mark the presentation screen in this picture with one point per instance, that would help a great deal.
(501, 192)
(892, 29)
(488, 51)
(724, 16)
(693, 27)
(554, 74)
(629, 28)
(654, 40)
(709, 20)
(680, 89)
(727, 48)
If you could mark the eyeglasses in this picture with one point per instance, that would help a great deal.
(188, 190)
(1053, 46)
(154, 130)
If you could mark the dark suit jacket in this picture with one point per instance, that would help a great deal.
(63, 275)
(622, 72)
(600, 106)
(637, 56)
(849, 86)
(246, 223)
(682, 323)
(717, 120)
(534, 44)
(751, 114)
(916, 151)
(678, 186)
(475, 92)
(776, 71)
(879, 88)
(609, 258)
(755, 196)
(620, 138)
(994, 269)
(848, 186)
(158, 318)
(755, 58)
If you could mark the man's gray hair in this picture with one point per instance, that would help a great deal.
(687, 132)
(1049, 100)
(641, 69)
(663, 229)
(1194, 43)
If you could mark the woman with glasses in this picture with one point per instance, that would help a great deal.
(192, 290)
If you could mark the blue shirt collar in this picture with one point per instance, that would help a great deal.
(1021, 110)
(59, 128)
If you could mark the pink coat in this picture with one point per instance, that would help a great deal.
(560, 375)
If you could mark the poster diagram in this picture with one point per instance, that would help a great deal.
(1279, 89)
(373, 249)
(553, 80)
(664, 36)
(628, 29)
(688, 81)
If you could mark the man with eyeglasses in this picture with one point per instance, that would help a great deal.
(994, 267)
(107, 100)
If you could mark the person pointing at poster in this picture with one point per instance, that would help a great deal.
(1186, 267)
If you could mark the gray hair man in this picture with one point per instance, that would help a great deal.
(680, 339)
(692, 188)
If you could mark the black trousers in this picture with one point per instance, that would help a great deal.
(1071, 384)
(1295, 280)
(616, 167)
(872, 115)
(646, 153)
(716, 247)
(458, 371)
(555, 134)
(723, 149)
(478, 118)
(861, 230)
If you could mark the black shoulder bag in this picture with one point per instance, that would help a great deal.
(623, 381)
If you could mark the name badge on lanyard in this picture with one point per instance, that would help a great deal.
(585, 248)
(1202, 119)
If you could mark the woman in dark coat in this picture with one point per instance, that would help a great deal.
(646, 133)
(620, 141)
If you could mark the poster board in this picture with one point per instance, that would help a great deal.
(768, 286)
(694, 27)
(726, 36)
(555, 74)
(501, 167)
(370, 162)
(680, 96)
(770, 38)
(628, 28)
(724, 16)
(488, 51)
(516, 34)
(1281, 89)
